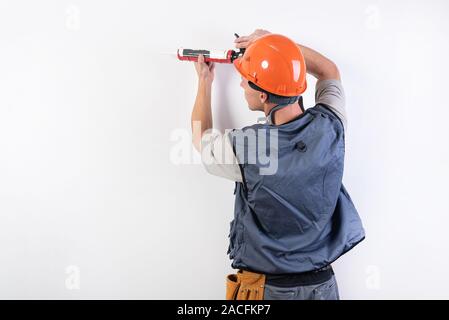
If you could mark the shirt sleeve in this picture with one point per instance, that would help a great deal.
(331, 94)
(218, 156)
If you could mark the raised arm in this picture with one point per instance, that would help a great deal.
(318, 65)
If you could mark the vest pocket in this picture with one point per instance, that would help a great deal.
(235, 238)
(231, 236)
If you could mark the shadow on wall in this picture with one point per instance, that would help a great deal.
(223, 117)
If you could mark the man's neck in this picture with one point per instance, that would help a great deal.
(284, 114)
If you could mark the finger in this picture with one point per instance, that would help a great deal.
(212, 66)
(201, 59)
(241, 39)
(242, 45)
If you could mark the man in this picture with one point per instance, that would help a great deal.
(293, 216)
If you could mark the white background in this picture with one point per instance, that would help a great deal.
(95, 201)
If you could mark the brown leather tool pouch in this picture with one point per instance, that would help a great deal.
(245, 285)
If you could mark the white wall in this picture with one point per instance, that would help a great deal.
(91, 117)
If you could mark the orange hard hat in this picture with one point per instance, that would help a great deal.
(274, 63)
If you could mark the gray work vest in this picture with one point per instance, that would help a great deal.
(292, 213)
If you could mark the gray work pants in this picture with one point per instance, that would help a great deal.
(327, 290)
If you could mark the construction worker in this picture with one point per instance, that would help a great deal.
(293, 217)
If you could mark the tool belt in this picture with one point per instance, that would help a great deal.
(245, 285)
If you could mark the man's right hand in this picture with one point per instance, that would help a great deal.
(245, 41)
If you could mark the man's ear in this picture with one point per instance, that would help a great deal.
(263, 97)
